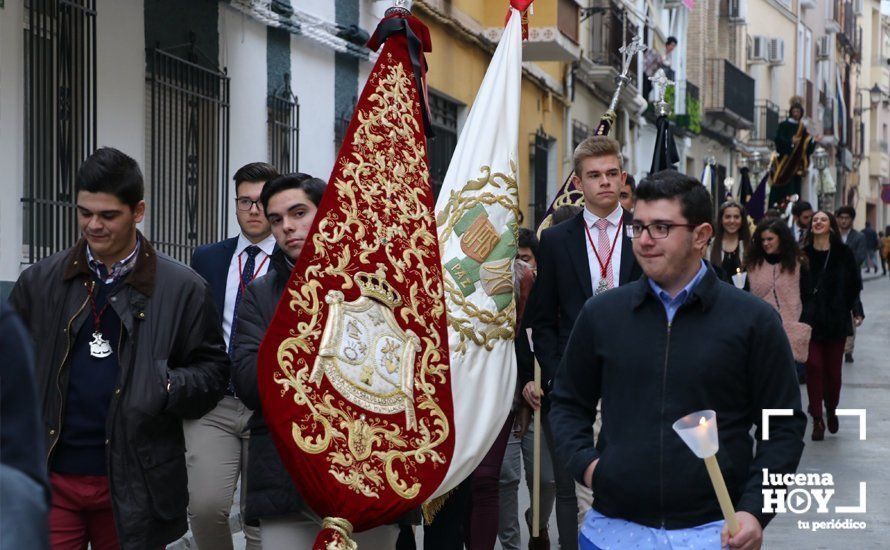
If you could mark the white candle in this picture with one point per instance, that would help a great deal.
(739, 278)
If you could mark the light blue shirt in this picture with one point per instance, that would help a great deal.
(599, 532)
(671, 305)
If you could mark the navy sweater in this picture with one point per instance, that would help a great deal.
(81, 447)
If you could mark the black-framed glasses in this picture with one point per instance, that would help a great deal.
(658, 230)
(245, 204)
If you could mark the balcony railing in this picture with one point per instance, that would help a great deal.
(611, 29)
(691, 120)
(879, 146)
(729, 94)
(766, 122)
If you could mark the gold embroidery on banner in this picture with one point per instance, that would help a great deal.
(362, 350)
(495, 276)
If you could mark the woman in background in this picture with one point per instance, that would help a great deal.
(836, 287)
(778, 273)
(731, 238)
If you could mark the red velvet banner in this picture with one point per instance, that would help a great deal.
(353, 370)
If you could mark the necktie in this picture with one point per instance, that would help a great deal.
(247, 274)
(603, 246)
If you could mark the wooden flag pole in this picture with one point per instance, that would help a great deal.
(536, 474)
(536, 447)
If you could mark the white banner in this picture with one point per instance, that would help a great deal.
(476, 218)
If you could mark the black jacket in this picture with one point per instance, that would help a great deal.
(171, 335)
(270, 491)
(725, 350)
(563, 285)
(836, 285)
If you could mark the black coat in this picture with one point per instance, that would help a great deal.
(725, 350)
(563, 285)
(836, 285)
(270, 490)
(173, 365)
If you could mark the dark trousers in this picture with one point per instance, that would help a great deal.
(448, 529)
(470, 514)
(566, 500)
(485, 506)
(824, 375)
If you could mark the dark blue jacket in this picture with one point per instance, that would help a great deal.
(212, 261)
(725, 350)
(21, 433)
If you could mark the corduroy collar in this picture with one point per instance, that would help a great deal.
(141, 278)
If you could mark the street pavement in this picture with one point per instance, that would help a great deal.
(866, 385)
(849, 461)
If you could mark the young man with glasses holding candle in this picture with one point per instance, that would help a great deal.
(217, 443)
(676, 341)
(577, 259)
(128, 347)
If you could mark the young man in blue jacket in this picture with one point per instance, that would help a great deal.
(674, 342)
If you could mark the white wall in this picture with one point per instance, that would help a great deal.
(120, 89)
(242, 50)
(312, 74)
(11, 139)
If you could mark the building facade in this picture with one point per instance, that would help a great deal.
(194, 90)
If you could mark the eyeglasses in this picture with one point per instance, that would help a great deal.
(657, 230)
(246, 204)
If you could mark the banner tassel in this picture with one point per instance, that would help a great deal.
(335, 535)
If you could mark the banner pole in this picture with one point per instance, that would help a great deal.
(536, 473)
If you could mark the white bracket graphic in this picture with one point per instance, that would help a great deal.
(854, 509)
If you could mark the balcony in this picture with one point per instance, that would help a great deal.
(729, 94)
(766, 123)
(610, 30)
(850, 35)
(690, 122)
(833, 9)
(552, 33)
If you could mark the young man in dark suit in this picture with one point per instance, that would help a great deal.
(577, 259)
(217, 443)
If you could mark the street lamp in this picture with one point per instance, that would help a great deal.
(757, 163)
(825, 187)
(875, 96)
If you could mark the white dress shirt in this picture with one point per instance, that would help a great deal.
(615, 225)
(267, 245)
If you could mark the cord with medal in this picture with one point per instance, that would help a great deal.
(603, 284)
(242, 286)
(100, 347)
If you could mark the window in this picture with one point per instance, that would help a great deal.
(188, 132)
(541, 172)
(60, 118)
(443, 116)
(284, 129)
(580, 132)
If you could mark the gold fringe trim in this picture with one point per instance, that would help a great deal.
(433, 507)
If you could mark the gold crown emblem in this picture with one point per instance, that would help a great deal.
(377, 287)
